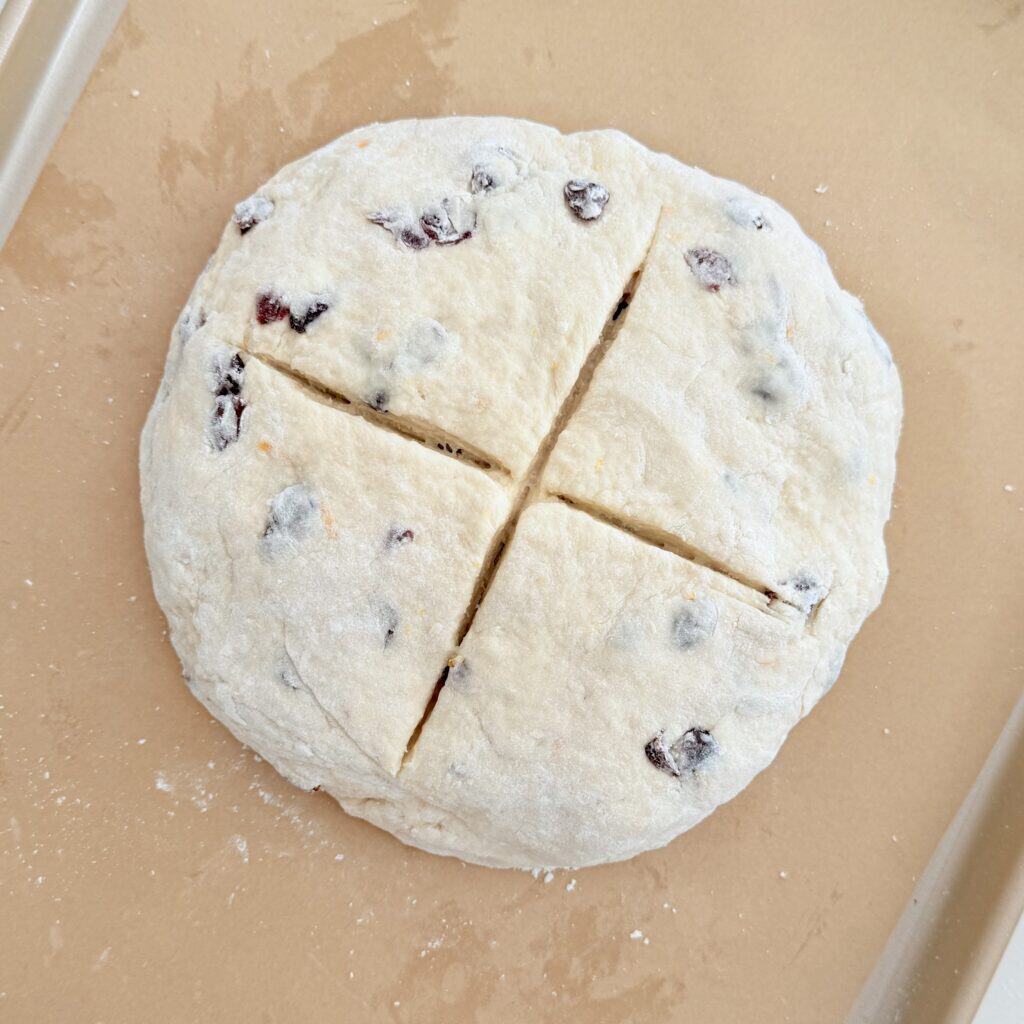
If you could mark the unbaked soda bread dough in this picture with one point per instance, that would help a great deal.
(520, 490)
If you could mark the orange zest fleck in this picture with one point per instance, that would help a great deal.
(362, 143)
(266, 447)
(328, 520)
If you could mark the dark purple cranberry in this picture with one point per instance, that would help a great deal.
(762, 388)
(447, 224)
(439, 226)
(292, 515)
(414, 238)
(809, 593)
(711, 268)
(389, 620)
(694, 623)
(270, 308)
(693, 748)
(300, 323)
(228, 406)
(229, 378)
(190, 323)
(403, 228)
(379, 401)
(252, 211)
(688, 753)
(587, 199)
(482, 179)
(397, 537)
(658, 754)
(226, 425)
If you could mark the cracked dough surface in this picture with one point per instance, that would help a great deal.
(410, 443)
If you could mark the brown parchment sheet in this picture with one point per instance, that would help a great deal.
(152, 869)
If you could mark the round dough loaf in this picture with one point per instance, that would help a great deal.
(520, 490)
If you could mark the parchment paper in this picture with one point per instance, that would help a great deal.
(152, 869)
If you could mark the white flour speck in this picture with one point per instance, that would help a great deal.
(636, 934)
(570, 886)
(821, 189)
(549, 877)
(162, 784)
(136, 94)
(269, 798)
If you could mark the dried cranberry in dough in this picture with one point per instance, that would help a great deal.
(693, 748)
(587, 199)
(269, 308)
(660, 756)
(711, 268)
(292, 515)
(313, 311)
(398, 537)
(252, 211)
(482, 179)
(225, 424)
(405, 229)
(438, 224)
